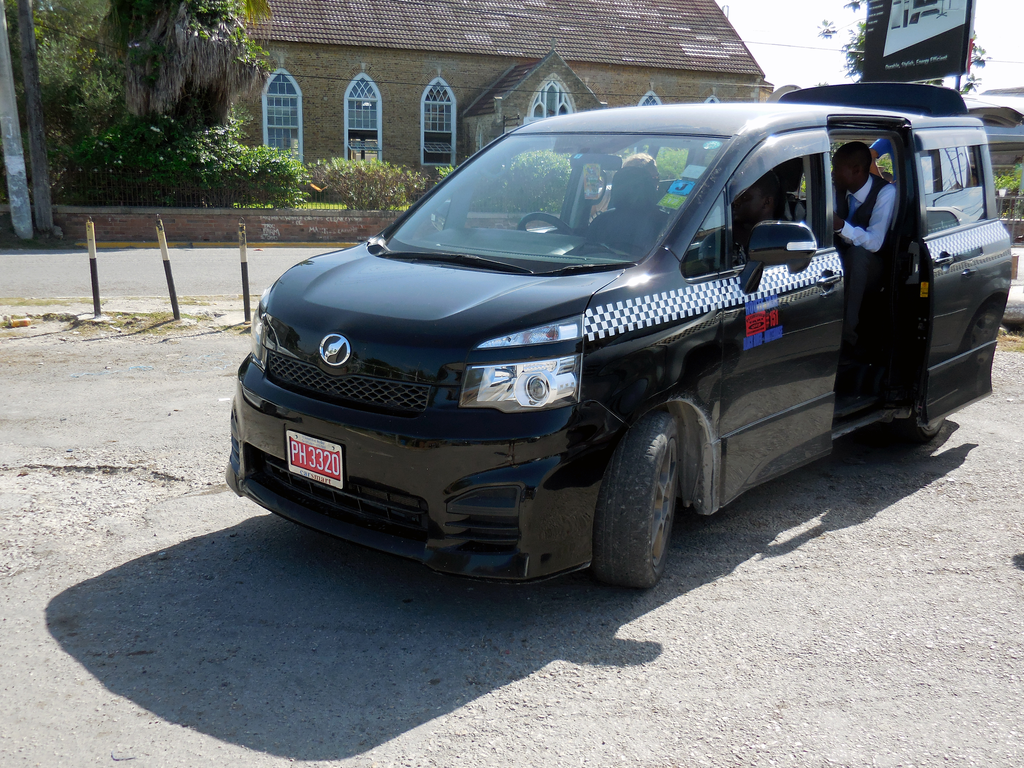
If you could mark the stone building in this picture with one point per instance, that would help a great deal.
(429, 82)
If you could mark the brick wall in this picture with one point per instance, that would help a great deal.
(221, 224)
(324, 72)
(625, 86)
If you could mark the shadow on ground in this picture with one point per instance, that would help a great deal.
(285, 641)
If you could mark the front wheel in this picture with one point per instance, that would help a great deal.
(910, 431)
(636, 506)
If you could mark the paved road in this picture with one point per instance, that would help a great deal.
(140, 272)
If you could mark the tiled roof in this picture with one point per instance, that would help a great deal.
(669, 34)
(484, 104)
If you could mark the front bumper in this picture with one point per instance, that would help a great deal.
(472, 492)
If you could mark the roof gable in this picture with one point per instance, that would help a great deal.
(664, 34)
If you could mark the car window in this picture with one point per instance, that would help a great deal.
(550, 201)
(951, 185)
(790, 190)
(706, 253)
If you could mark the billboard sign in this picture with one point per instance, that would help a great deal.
(910, 40)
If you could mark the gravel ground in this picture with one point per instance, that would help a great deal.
(865, 610)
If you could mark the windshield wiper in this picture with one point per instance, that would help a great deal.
(468, 259)
(576, 268)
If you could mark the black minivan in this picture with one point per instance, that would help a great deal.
(563, 341)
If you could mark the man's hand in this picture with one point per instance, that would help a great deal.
(837, 222)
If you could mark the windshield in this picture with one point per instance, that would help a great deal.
(547, 203)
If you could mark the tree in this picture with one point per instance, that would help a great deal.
(36, 122)
(81, 77)
(978, 60)
(188, 59)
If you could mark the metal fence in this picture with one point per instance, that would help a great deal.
(1011, 210)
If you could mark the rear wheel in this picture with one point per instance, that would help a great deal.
(636, 506)
(984, 327)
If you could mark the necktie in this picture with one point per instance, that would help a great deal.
(851, 203)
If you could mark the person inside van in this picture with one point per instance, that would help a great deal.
(791, 176)
(864, 209)
(633, 219)
(879, 149)
(755, 204)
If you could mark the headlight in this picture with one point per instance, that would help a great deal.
(562, 330)
(525, 386)
(258, 330)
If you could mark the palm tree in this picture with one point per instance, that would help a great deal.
(188, 58)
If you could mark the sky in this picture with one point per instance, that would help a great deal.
(783, 37)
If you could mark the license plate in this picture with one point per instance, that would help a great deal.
(316, 459)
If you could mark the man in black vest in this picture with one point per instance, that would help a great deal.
(864, 210)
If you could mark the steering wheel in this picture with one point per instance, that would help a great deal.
(548, 218)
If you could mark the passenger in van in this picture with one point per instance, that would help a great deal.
(633, 219)
(755, 204)
(790, 174)
(864, 210)
(645, 161)
(879, 149)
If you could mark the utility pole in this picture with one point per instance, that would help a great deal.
(36, 125)
(10, 133)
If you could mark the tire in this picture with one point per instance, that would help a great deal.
(984, 327)
(909, 431)
(636, 505)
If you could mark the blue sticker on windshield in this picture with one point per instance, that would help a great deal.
(680, 187)
(712, 144)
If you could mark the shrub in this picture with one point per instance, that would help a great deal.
(1009, 181)
(535, 181)
(162, 161)
(367, 185)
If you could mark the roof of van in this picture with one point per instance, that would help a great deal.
(727, 119)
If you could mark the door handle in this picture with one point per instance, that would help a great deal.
(944, 258)
(968, 272)
(827, 282)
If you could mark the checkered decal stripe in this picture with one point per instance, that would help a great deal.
(969, 240)
(778, 280)
(632, 314)
(655, 309)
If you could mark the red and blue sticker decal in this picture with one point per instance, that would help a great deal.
(762, 322)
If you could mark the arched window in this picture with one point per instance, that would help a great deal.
(437, 124)
(282, 113)
(362, 120)
(650, 99)
(551, 100)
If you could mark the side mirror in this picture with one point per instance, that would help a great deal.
(773, 243)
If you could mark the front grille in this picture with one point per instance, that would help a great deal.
(383, 509)
(361, 390)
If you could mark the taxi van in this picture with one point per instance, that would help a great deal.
(563, 343)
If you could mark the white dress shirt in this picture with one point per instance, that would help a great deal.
(871, 239)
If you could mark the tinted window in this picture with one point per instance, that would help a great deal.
(950, 181)
(549, 201)
(706, 252)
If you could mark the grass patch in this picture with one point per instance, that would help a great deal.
(136, 323)
(44, 302)
(1010, 341)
